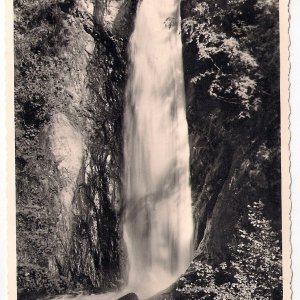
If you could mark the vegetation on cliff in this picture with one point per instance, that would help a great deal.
(233, 108)
(38, 91)
(253, 270)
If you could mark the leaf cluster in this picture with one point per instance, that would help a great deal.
(236, 45)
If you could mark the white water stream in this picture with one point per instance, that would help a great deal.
(158, 225)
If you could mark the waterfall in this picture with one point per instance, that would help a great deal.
(158, 225)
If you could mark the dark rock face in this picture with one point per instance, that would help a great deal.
(98, 231)
(95, 240)
(78, 165)
(130, 296)
(124, 20)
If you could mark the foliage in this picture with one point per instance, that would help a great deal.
(38, 94)
(252, 272)
(234, 42)
(228, 71)
(38, 68)
(36, 226)
(35, 282)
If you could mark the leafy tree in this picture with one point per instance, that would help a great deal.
(236, 44)
(227, 70)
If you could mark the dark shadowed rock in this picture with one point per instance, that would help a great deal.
(130, 296)
(124, 22)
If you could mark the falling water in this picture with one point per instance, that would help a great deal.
(158, 224)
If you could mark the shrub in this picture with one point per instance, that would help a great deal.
(252, 272)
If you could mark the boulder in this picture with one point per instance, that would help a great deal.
(130, 296)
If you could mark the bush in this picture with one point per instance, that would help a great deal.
(252, 272)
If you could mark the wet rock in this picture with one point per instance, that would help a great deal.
(130, 296)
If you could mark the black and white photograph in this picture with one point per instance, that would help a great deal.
(151, 150)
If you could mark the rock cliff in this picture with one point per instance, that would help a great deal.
(69, 168)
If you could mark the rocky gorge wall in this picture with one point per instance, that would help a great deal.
(235, 152)
(70, 168)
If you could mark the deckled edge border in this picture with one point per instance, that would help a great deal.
(11, 281)
(285, 152)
